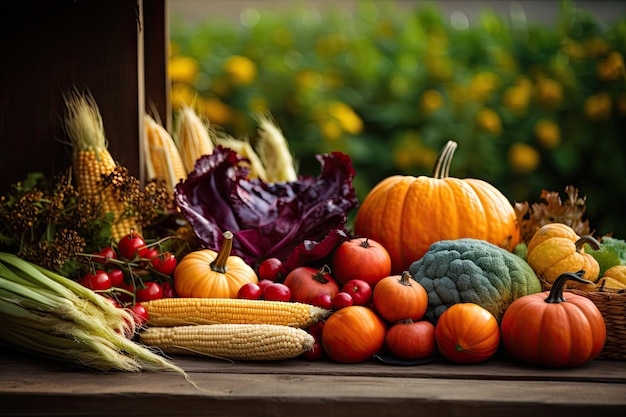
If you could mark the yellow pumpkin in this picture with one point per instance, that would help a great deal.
(407, 214)
(614, 277)
(556, 249)
(209, 274)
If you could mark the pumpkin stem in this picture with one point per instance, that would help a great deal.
(365, 243)
(444, 160)
(595, 245)
(556, 292)
(319, 275)
(405, 278)
(220, 263)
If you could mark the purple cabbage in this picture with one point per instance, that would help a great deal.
(267, 219)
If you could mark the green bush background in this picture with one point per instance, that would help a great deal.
(532, 107)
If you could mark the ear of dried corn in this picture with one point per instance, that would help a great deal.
(91, 159)
(163, 159)
(231, 341)
(274, 152)
(245, 150)
(193, 137)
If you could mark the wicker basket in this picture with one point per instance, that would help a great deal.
(612, 305)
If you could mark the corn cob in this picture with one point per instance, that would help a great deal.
(163, 160)
(274, 153)
(183, 311)
(193, 138)
(230, 341)
(245, 150)
(91, 159)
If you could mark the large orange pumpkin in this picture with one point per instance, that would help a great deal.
(406, 214)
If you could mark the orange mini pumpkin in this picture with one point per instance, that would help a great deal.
(407, 214)
(209, 274)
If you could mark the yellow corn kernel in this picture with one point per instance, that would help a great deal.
(163, 160)
(183, 311)
(91, 159)
(230, 341)
(193, 138)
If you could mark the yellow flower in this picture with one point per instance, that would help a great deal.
(216, 111)
(183, 68)
(308, 80)
(348, 119)
(482, 85)
(523, 158)
(548, 133)
(182, 95)
(240, 69)
(430, 101)
(612, 68)
(489, 121)
(598, 106)
(330, 129)
(621, 104)
(549, 92)
(517, 97)
(596, 47)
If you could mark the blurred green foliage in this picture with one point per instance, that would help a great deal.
(532, 107)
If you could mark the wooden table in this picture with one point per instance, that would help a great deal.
(31, 386)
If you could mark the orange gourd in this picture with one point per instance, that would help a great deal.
(553, 329)
(400, 297)
(406, 214)
(209, 274)
(556, 248)
(467, 333)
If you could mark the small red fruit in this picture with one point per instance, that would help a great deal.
(164, 263)
(150, 291)
(139, 313)
(117, 277)
(264, 283)
(104, 255)
(360, 290)
(250, 291)
(323, 300)
(316, 353)
(342, 299)
(277, 292)
(132, 245)
(272, 269)
(98, 280)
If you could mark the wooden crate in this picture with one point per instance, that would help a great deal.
(117, 49)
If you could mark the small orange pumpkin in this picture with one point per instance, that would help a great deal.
(400, 297)
(467, 333)
(407, 214)
(209, 274)
(556, 248)
(554, 330)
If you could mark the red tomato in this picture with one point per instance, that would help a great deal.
(315, 330)
(139, 313)
(130, 288)
(411, 340)
(361, 258)
(277, 292)
(316, 353)
(149, 291)
(272, 269)
(148, 255)
(98, 280)
(168, 290)
(264, 283)
(323, 300)
(131, 246)
(306, 283)
(250, 291)
(104, 255)
(360, 291)
(117, 277)
(342, 300)
(164, 263)
(353, 334)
